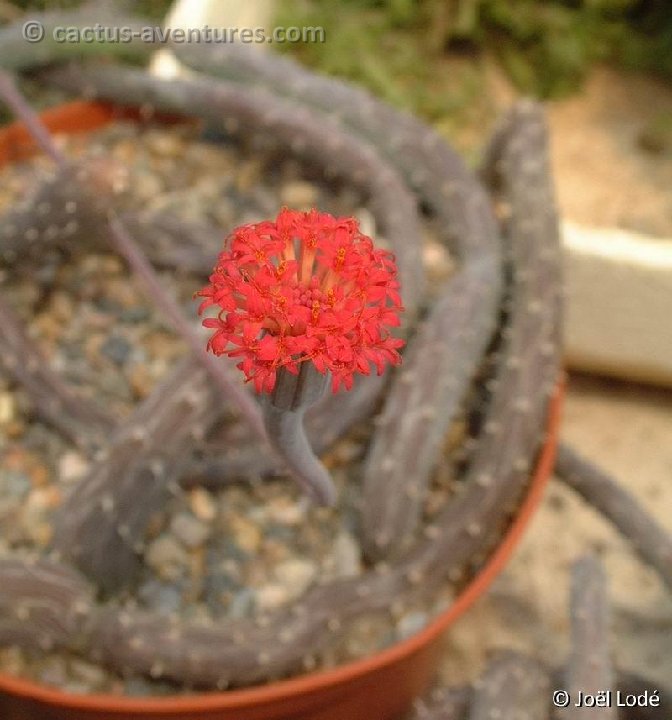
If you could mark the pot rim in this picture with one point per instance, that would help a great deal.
(84, 116)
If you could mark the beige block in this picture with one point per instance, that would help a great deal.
(618, 303)
(221, 14)
(197, 14)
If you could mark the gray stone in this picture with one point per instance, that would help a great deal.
(243, 604)
(88, 673)
(189, 530)
(347, 555)
(167, 557)
(411, 623)
(116, 349)
(295, 575)
(160, 596)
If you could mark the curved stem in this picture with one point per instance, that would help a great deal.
(288, 436)
(151, 284)
(649, 538)
(292, 395)
(128, 248)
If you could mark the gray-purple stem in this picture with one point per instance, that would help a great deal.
(127, 247)
(283, 417)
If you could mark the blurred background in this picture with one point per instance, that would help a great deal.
(603, 67)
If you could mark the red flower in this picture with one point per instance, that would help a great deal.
(308, 287)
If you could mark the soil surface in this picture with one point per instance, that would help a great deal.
(613, 168)
(626, 429)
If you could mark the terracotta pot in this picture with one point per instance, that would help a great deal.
(379, 687)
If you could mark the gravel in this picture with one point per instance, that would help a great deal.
(247, 548)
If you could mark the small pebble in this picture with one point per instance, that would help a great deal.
(139, 687)
(15, 429)
(245, 533)
(43, 498)
(437, 261)
(202, 504)
(299, 194)
(296, 575)
(248, 175)
(410, 624)
(189, 530)
(219, 588)
(167, 557)
(164, 144)
(90, 674)
(140, 379)
(346, 451)
(78, 687)
(160, 596)
(147, 186)
(47, 327)
(347, 555)
(62, 306)
(40, 476)
(242, 604)
(72, 466)
(14, 485)
(271, 596)
(136, 314)
(116, 349)
(7, 408)
(10, 509)
(283, 511)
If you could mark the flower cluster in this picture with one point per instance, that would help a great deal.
(306, 287)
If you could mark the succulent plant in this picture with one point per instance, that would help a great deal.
(399, 164)
(521, 686)
(495, 326)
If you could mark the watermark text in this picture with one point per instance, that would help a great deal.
(34, 32)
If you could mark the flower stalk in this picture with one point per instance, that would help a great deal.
(303, 300)
(284, 409)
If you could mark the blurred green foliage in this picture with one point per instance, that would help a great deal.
(427, 56)
(545, 46)
(155, 9)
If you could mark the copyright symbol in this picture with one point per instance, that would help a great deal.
(33, 31)
(561, 698)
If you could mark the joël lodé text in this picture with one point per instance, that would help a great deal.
(610, 698)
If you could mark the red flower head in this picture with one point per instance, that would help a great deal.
(307, 287)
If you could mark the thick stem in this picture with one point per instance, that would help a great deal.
(513, 686)
(243, 652)
(43, 604)
(250, 651)
(283, 417)
(101, 525)
(128, 248)
(309, 135)
(64, 212)
(651, 541)
(82, 421)
(288, 437)
(589, 668)
(238, 456)
(419, 409)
